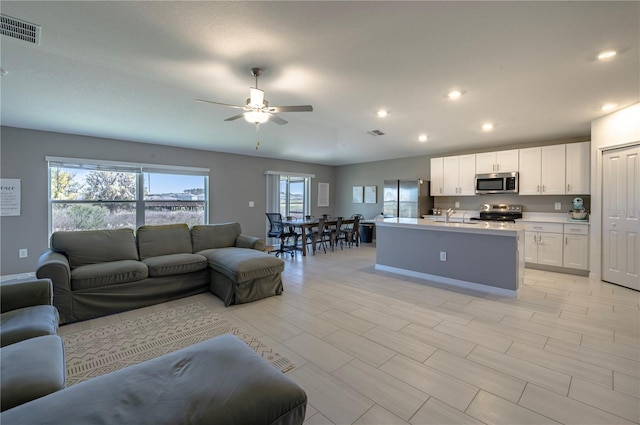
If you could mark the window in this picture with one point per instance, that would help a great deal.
(89, 195)
(294, 196)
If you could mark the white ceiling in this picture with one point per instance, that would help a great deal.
(131, 70)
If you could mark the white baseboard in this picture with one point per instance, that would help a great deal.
(449, 281)
(29, 275)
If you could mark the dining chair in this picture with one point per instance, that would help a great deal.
(334, 233)
(350, 231)
(277, 230)
(319, 235)
(293, 229)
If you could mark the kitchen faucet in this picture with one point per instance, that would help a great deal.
(448, 214)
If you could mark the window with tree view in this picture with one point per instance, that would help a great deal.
(92, 195)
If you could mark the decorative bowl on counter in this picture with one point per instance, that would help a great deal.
(578, 214)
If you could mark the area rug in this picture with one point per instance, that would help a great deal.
(102, 350)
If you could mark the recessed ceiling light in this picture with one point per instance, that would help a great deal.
(608, 106)
(454, 94)
(382, 113)
(487, 126)
(422, 138)
(607, 54)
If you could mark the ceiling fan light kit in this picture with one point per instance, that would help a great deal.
(256, 117)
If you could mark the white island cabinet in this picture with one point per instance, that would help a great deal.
(485, 256)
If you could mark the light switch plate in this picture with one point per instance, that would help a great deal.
(251, 204)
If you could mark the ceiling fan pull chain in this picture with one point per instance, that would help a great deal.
(257, 139)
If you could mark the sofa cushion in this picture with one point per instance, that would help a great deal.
(95, 246)
(28, 322)
(31, 369)
(208, 236)
(168, 265)
(105, 274)
(166, 239)
(242, 264)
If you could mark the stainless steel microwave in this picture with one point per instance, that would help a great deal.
(497, 183)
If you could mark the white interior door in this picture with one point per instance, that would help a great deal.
(621, 216)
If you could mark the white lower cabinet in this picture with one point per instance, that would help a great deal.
(543, 244)
(557, 244)
(576, 246)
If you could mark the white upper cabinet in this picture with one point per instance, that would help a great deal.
(542, 170)
(553, 170)
(578, 168)
(459, 175)
(437, 175)
(497, 162)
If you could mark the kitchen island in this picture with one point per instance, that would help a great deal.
(485, 256)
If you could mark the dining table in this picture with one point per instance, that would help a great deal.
(304, 225)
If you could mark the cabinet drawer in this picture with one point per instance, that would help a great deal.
(544, 227)
(576, 229)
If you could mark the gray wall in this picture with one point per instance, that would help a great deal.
(233, 182)
(375, 173)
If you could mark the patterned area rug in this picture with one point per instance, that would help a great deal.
(102, 350)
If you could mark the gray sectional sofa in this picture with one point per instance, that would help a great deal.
(99, 272)
(218, 381)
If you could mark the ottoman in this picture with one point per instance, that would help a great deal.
(31, 369)
(240, 275)
(218, 381)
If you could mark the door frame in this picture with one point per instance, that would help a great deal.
(596, 231)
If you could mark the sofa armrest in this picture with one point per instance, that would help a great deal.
(246, 241)
(25, 293)
(55, 266)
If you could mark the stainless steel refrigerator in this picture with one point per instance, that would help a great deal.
(407, 198)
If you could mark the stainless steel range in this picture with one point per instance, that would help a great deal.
(499, 212)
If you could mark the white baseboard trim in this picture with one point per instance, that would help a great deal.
(29, 275)
(449, 281)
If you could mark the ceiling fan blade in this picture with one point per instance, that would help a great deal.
(299, 108)
(277, 119)
(235, 117)
(219, 103)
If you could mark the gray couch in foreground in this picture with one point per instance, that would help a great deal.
(32, 356)
(219, 381)
(99, 272)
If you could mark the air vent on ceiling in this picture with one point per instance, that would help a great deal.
(375, 133)
(22, 30)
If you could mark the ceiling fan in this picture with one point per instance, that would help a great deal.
(257, 109)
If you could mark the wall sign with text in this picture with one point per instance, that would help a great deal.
(9, 197)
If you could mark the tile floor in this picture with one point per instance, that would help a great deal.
(376, 348)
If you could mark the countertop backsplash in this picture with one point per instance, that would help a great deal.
(530, 204)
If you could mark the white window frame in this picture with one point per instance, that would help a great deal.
(138, 168)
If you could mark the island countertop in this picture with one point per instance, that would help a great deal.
(479, 227)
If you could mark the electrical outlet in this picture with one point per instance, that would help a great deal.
(23, 253)
(443, 256)
(251, 204)
(558, 206)
(457, 205)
